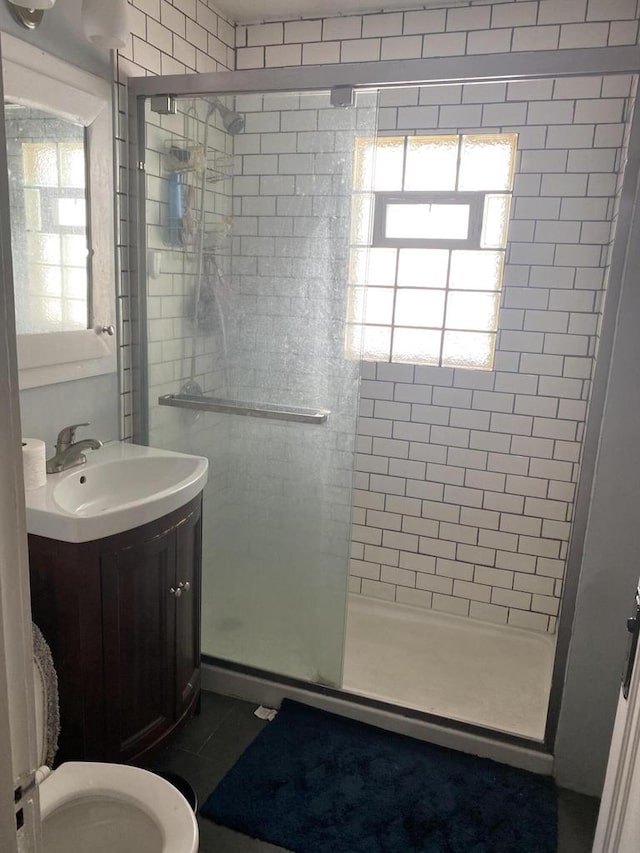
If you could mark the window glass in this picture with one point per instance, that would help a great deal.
(432, 163)
(423, 308)
(487, 161)
(413, 221)
(423, 267)
(416, 346)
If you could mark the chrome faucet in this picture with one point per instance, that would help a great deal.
(69, 452)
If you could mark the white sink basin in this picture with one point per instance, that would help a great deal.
(121, 487)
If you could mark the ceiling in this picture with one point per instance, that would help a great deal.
(256, 11)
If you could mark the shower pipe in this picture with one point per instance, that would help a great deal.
(233, 124)
(524, 65)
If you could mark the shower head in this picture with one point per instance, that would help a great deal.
(232, 121)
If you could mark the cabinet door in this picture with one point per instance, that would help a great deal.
(139, 636)
(188, 573)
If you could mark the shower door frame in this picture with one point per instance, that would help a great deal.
(527, 65)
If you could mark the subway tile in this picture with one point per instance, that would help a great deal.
(510, 598)
(536, 546)
(472, 591)
(376, 589)
(454, 569)
(470, 18)
(448, 604)
(299, 31)
(490, 41)
(475, 554)
(584, 35)
(494, 577)
(401, 47)
(424, 21)
(389, 24)
(420, 527)
(360, 50)
(488, 612)
(515, 562)
(436, 547)
(552, 12)
(421, 563)
(434, 583)
(529, 621)
(444, 44)
(535, 38)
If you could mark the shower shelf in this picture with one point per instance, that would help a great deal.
(252, 410)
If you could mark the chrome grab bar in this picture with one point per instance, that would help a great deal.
(272, 411)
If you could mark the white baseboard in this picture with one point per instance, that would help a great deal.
(253, 688)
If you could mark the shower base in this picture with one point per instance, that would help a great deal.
(458, 668)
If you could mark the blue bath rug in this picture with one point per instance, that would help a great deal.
(313, 782)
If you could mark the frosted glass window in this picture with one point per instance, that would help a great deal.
(434, 260)
(468, 349)
(373, 267)
(372, 305)
(495, 221)
(476, 270)
(427, 221)
(416, 346)
(431, 163)
(379, 163)
(376, 342)
(487, 161)
(423, 267)
(361, 218)
(423, 308)
(473, 311)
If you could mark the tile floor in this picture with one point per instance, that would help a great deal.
(209, 745)
(493, 676)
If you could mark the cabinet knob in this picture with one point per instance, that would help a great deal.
(176, 593)
(184, 586)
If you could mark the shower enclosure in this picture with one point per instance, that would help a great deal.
(257, 293)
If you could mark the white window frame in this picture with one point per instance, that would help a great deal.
(34, 78)
(473, 200)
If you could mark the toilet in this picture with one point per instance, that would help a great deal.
(92, 807)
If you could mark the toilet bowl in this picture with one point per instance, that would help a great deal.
(94, 807)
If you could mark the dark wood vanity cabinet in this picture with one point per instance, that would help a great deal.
(122, 618)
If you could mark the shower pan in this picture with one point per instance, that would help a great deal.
(253, 189)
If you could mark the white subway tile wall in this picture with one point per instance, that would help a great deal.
(488, 461)
(480, 28)
(167, 37)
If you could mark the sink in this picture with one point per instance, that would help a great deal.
(121, 487)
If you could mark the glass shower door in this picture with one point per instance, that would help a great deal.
(248, 218)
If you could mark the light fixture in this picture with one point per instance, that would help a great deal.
(106, 22)
(31, 15)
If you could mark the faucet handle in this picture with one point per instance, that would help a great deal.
(67, 436)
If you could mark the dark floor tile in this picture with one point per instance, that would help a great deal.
(233, 735)
(577, 818)
(197, 731)
(219, 839)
